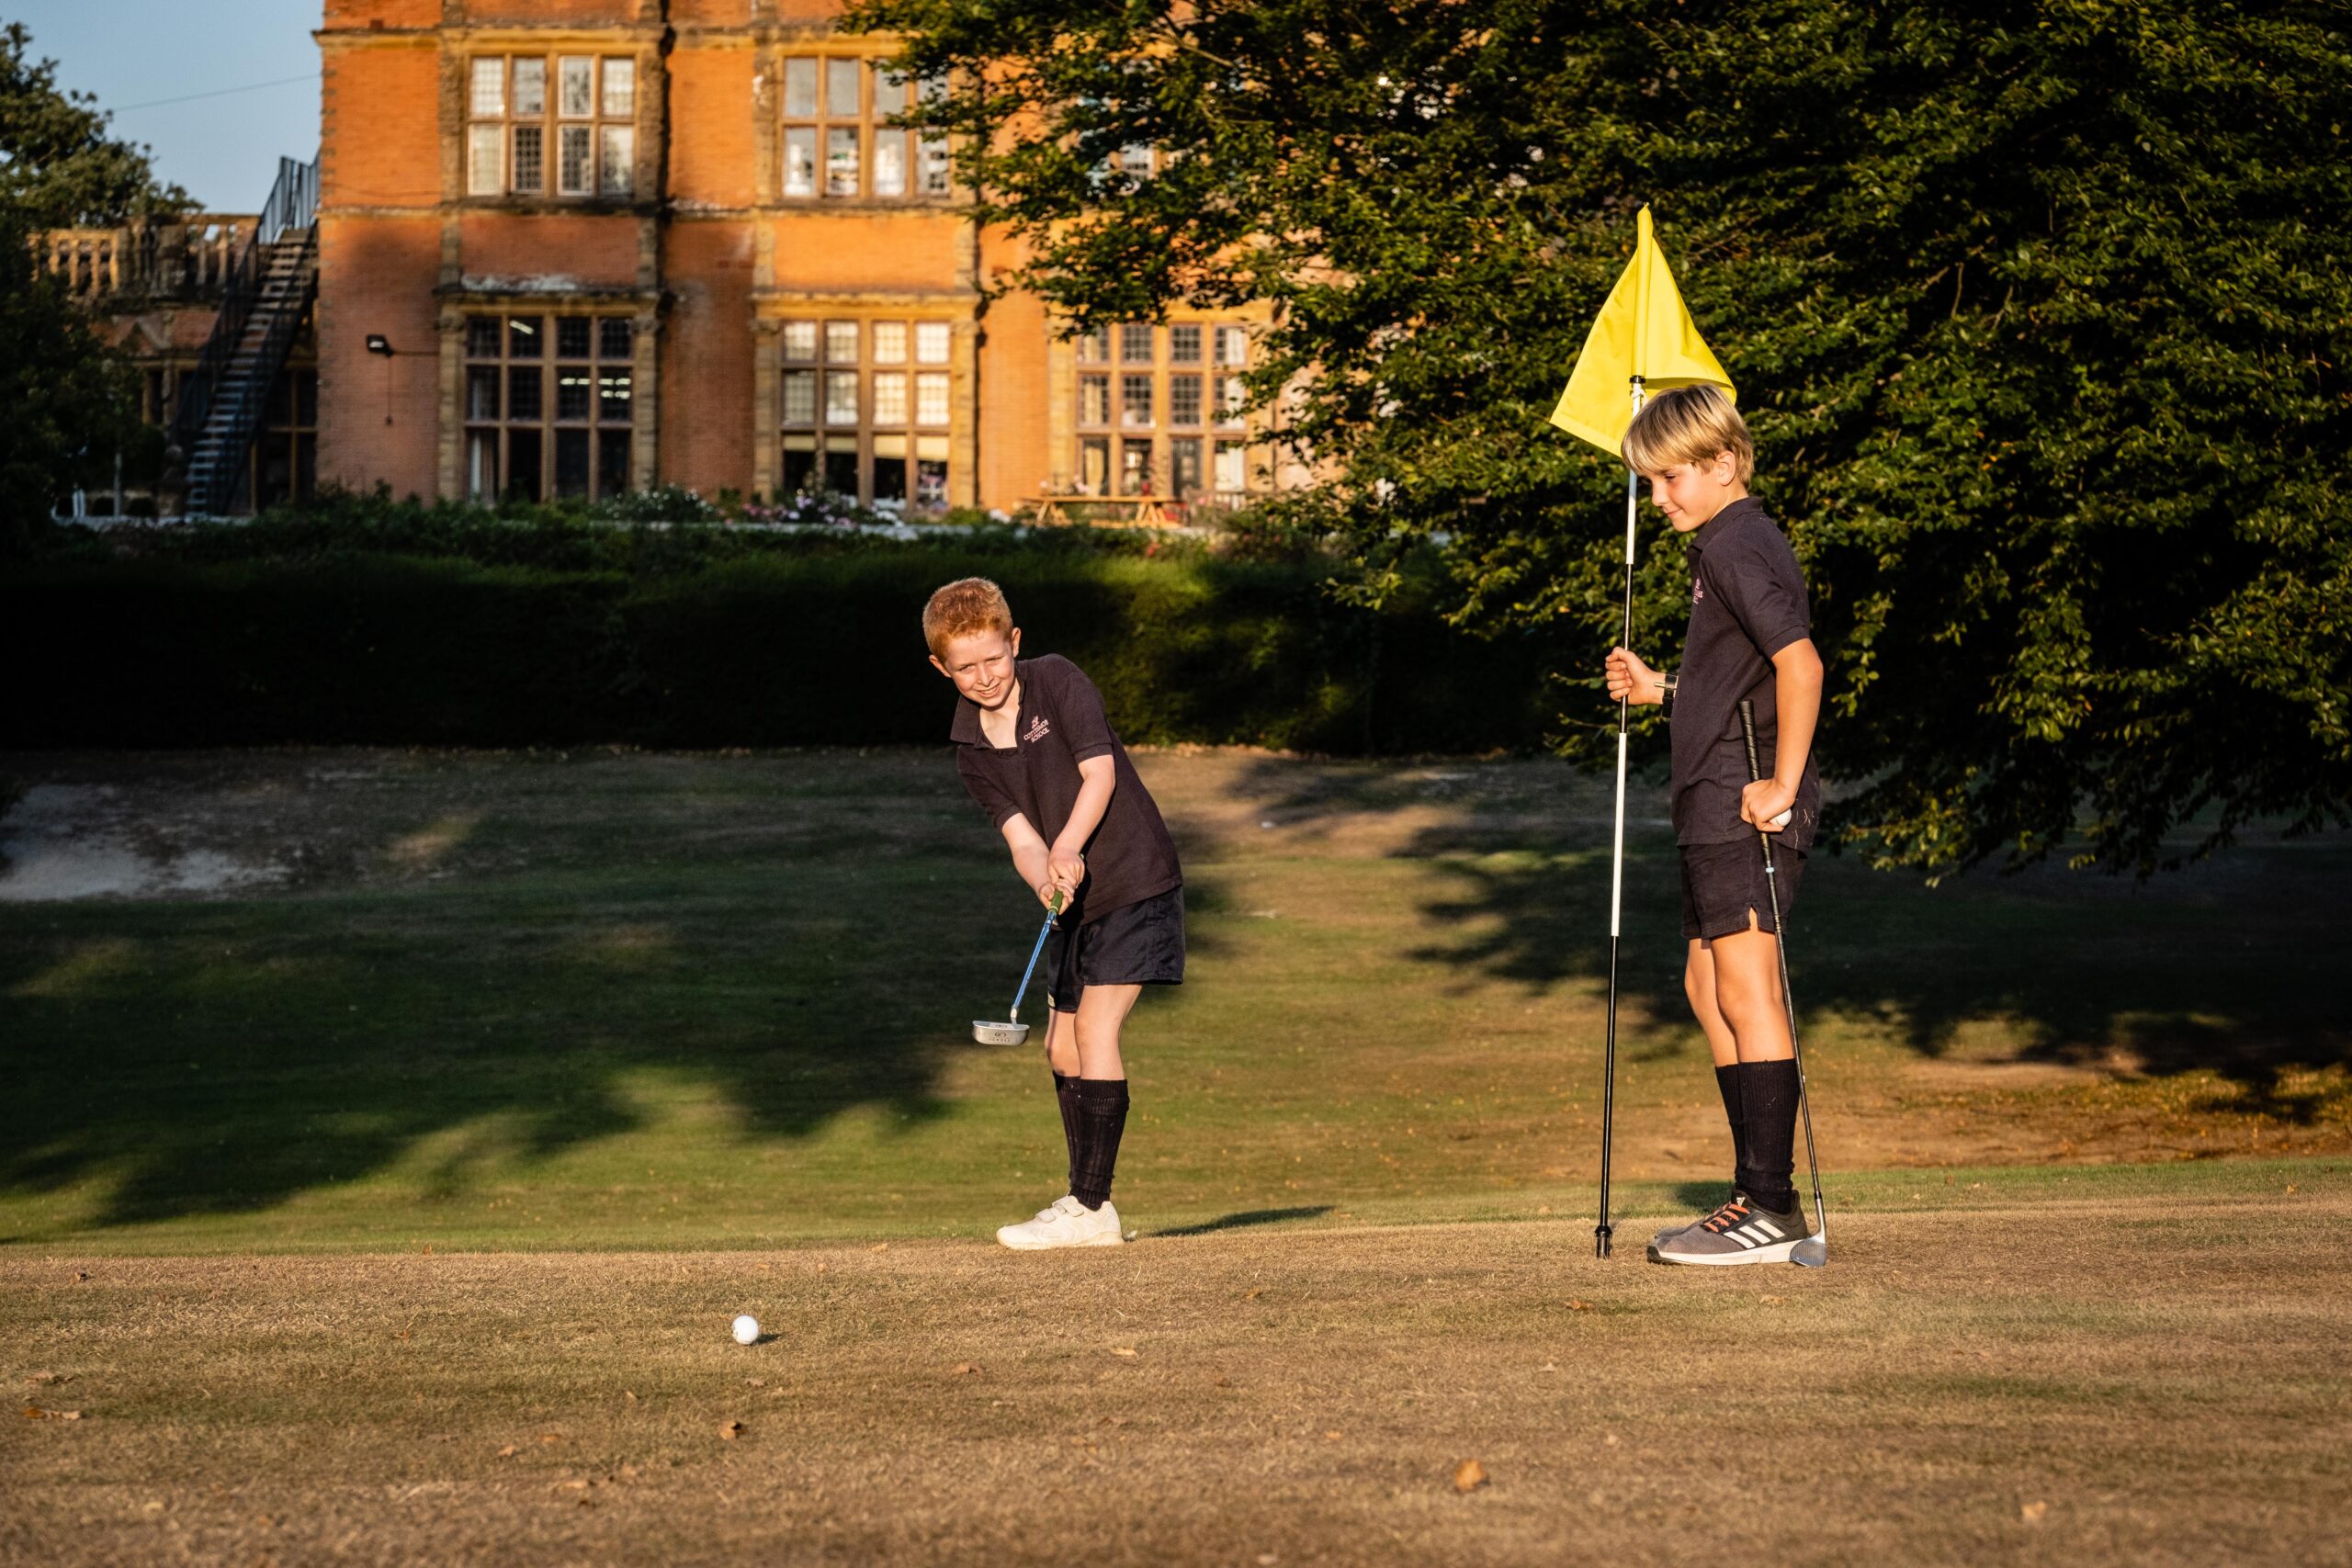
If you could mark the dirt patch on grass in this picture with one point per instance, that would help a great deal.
(2141, 1383)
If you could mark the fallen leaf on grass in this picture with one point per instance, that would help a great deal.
(506, 1452)
(965, 1369)
(1577, 1304)
(1127, 1351)
(1253, 1294)
(2292, 1188)
(1331, 1437)
(2032, 1513)
(629, 1394)
(880, 1247)
(731, 1430)
(35, 1413)
(47, 1379)
(1469, 1475)
(1776, 1301)
(81, 1273)
(571, 1486)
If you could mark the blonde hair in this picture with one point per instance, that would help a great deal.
(1688, 425)
(966, 605)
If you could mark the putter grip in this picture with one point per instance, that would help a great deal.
(1748, 732)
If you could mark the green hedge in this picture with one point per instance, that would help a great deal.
(769, 650)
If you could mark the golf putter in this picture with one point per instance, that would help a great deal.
(1813, 1252)
(1012, 1031)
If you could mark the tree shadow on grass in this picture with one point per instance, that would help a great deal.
(193, 1059)
(2227, 966)
(1246, 1218)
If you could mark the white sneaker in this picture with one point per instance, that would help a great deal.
(1068, 1222)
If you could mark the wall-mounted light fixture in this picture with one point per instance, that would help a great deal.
(379, 344)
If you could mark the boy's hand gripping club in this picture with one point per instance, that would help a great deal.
(1813, 1250)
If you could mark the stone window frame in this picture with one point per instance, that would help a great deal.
(1198, 458)
(609, 442)
(501, 109)
(807, 127)
(290, 430)
(840, 347)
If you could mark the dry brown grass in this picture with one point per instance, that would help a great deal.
(2131, 1382)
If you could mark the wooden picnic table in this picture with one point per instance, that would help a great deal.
(1136, 510)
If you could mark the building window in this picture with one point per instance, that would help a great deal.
(550, 405)
(286, 453)
(838, 138)
(1149, 423)
(583, 136)
(865, 408)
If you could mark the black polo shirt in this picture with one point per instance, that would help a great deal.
(1747, 602)
(1061, 723)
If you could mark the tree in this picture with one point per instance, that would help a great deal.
(58, 168)
(67, 403)
(2040, 312)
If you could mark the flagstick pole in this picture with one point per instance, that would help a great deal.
(1600, 1232)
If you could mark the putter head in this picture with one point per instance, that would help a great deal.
(988, 1033)
(1813, 1252)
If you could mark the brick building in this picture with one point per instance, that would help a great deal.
(570, 247)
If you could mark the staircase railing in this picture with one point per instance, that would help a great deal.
(293, 200)
(231, 479)
(293, 204)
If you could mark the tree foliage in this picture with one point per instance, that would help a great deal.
(2039, 311)
(58, 166)
(67, 404)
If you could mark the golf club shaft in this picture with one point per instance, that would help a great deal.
(1042, 932)
(1788, 995)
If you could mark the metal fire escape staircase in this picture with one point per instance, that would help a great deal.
(266, 296)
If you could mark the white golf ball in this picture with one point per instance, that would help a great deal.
(747, 1329)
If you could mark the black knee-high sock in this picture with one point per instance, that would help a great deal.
(1102, 1117)
(1768, 1094)
(1727, 1085)
(1066, 1093)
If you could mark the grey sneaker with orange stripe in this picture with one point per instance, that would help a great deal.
(1739, 1232)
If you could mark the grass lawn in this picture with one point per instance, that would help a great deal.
(651, 1002)
(554, 1062)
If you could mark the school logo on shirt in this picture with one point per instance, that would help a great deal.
(1038, 730)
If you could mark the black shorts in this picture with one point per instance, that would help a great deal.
(1721, 882)
(1136, 944)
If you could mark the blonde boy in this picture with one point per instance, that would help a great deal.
(1750, 638)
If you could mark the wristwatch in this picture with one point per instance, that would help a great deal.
(1665, 691)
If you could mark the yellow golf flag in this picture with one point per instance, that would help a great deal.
(1643, 331)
